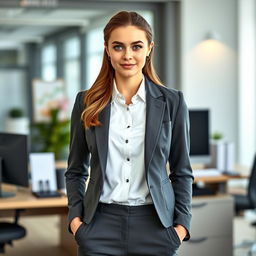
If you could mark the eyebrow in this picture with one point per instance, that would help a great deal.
(137, 42)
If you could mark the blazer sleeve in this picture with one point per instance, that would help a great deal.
(181, 171)
(78, 162)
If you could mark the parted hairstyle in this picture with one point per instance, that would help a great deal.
(98, 96)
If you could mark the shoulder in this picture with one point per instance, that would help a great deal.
(79, 101)
(173, 96)
(170, 93)
(81, 94)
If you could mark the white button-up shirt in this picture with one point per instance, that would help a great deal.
(125, 181)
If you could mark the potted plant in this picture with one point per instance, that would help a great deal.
(17, 122)
(52, 135)
(217, 136)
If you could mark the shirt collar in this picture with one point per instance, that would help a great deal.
(140, 93)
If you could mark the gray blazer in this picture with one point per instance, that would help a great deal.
(166, 140)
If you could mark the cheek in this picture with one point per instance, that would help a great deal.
(141, 56)
(115, 60)
(141, 59)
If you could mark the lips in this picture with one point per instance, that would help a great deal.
(127, 66)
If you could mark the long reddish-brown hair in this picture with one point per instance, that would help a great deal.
(98, 96)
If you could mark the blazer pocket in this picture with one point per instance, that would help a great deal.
(168, 195)
(167, 125)
(167, 122)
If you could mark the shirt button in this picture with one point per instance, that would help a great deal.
(126, 141)
(128, 126)
(128, 159)
(127, 180)
(127, 108)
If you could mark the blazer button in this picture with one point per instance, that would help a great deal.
(151, 186)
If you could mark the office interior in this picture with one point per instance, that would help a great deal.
(206, 49)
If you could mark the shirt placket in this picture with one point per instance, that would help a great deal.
(127, 150)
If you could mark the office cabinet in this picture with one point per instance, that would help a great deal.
(211, 227)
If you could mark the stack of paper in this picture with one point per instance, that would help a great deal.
(206, 172)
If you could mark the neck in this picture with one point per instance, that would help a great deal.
(128, 86)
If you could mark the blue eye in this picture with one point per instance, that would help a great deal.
(137, 47)
(118, 47)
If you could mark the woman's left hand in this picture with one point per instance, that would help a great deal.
(181, 232)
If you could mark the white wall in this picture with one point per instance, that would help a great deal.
(209, 77)
(247, 84)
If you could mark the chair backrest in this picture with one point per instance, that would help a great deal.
(252, 184)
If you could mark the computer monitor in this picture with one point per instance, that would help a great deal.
(199, 136)
(13, 161)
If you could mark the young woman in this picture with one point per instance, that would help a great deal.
(126, 128)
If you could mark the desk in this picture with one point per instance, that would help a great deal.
(219, 183)
(35, 206)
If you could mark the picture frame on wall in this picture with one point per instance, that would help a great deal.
(47, 95)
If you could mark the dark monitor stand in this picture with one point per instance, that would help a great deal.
(4, 194)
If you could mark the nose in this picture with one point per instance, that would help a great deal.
(127, 54)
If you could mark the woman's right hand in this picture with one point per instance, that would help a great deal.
(75, 224)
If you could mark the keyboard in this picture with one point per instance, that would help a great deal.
(47, 194)
(207, 172)
(231, 173)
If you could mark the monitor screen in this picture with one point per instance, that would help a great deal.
(199, 135)
(13, 160)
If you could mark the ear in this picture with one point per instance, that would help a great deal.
(150, 47)
(106, 48)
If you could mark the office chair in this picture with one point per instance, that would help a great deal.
(11, 231)
(248, 202)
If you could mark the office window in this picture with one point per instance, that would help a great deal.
(149, 17)
(94, 51)
(72, 68)
(49, 71)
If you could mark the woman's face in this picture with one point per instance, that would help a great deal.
(128, 48)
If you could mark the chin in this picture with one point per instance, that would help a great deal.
(127, 74)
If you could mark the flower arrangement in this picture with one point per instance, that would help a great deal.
(53, 134)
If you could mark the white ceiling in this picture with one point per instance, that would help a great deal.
(22, 25)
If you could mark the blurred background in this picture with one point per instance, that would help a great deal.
(51, 49)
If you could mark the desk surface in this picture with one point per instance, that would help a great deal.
(26, 200)
(244, 172)
(217, 179)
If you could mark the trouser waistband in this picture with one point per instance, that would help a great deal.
(117, 209)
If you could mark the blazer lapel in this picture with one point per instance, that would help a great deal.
(101, 133)
(154, 116)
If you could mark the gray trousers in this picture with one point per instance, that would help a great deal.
(119, 230)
